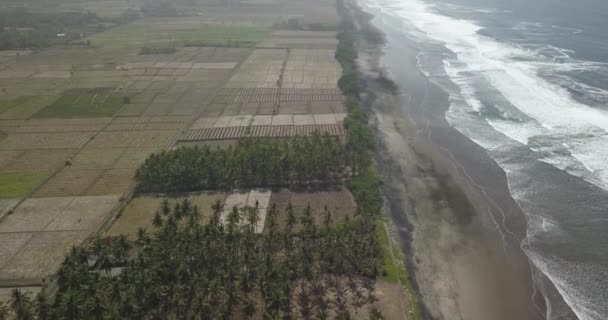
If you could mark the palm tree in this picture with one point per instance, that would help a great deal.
(291, 218)
(20, 305)
(375, 314)
(327, 221)
(158, 220)
(42, 307)
(249, 306)
(94, 307)
(3, 311)
(143, 238)
(71, 305)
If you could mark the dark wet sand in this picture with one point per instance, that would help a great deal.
(458, 225)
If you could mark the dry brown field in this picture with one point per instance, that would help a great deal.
(40, 231)
(140, 211)
(340, 204)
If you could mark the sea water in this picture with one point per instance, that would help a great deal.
(528, 82)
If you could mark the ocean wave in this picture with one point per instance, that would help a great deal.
(547, 104)
(529, 111)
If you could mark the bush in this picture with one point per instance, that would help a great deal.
(160, 49)
(162, 9)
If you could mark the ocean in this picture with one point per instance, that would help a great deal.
(528, 82)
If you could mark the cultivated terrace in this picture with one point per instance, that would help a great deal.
(189, 159)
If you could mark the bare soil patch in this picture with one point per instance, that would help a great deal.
(70, 181)
(83, 213)
(34, 214)
(113, 181)
(340, 203)
(28, 141)
(41, 255)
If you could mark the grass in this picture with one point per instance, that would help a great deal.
(391, 270)
(139, 35)
(395, 269)
(9, 104)
(19, 184)
(28, 107)
(140, 212)
(75, 103)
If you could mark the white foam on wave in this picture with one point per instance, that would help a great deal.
(550, 110)
(571, 279)
(520, 132)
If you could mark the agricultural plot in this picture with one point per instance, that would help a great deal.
(261, 131)
(34, 214)
(311, 69)
(37, 235)
(97, 157)
(47, 141)
(24, 107)
(340, 204)
(188, 31)
(40, 160)
(41, 256)
(140, 212)
(261, 69)
(124, 139)
(11, 243)
(311, 95)
(246, 95)
(288, 119)
(12, 103)
(113, 181)
(70, 181)
(83, 213)
(266, 13)
(242, 199)
(8, 156)
(299, 43)
(18, 184)
(321, 107)
(99, 102)
(134, 157)
(32, 87)
(6, 205)
(190, 58)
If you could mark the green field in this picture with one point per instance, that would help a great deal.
(26, 107)
(140, 35)
(19, 184)
(9, 104)
(83, 103)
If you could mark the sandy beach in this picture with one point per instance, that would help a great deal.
(452, 220)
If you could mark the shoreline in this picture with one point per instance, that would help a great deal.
(434, 194)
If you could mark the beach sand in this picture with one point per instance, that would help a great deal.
(452, 221)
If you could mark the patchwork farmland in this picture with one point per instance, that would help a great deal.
(76, 121)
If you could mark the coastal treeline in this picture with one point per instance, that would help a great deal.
(260, 162)
(220, 269)
(23, 29)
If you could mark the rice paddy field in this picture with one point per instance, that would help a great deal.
(76, 121)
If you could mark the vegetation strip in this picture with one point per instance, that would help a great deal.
(365, 188)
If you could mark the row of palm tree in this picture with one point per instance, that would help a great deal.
(262, 162)
(219, 269)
